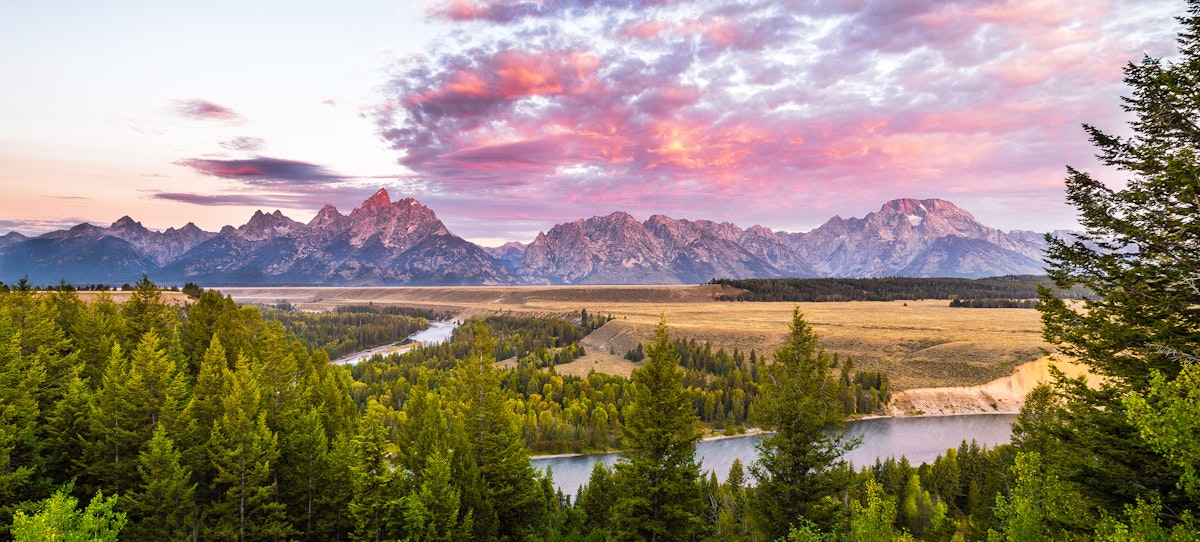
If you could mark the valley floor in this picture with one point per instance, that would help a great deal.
(940, 359)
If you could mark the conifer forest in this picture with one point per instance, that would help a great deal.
(150, 420)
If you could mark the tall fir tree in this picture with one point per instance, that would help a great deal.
(304, 471)
(432, 513)
(660, 494)
(1140, 257)
(162, 507)
(376, 511)
(798, 470)
(242, 450)
(145, 311)
(506, 498)
(21, 469)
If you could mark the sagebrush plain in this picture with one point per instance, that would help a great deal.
(920, 343)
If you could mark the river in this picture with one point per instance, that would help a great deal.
(438, 332)
(920, 439)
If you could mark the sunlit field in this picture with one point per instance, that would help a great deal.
(919, 343)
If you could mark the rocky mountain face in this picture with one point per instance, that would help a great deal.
(617, 249)
(403, 242)
(381, 242)
(908, 237)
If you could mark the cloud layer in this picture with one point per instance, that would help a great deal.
(205, 110)
(759, 111)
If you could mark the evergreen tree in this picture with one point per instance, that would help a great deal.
(732, 520)
(432, 513)
(137, 394)
(1140, 257)
(659, 489)
(242, 449)
(376, 511)
(212, 385)
(304, 471)
(162, 508)
(146, 311)
(507, 505)
(597, 498)
(20, 448)
(798, 470)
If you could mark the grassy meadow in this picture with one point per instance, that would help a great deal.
(919, 343)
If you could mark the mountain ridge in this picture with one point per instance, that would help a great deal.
(402, 242)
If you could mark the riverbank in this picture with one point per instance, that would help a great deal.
(1002, 395)
(750, 432)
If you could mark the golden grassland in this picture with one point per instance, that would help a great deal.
(919, 343)
(172, 298)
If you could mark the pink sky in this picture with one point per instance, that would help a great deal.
(507, 117)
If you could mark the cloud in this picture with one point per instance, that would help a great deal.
(204, 110)
(757, 108)
(244, 143)
(302, 201)
(261, 170)
(35, 227)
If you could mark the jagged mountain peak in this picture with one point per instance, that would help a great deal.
(403, 242)
(127, 223)
(327, 217)
(379, 200)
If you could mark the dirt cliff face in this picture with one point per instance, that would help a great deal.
(1005, 394)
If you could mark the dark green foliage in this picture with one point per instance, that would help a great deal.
(994, 303)
(891, 289)
(658, 485)
(162, 507)
(243, 450)
(347, 331)
(1139, 255)
(192, 290)
(798, 470)
(506, 503)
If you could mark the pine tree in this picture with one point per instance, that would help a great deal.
(242, 449)
(597, 498)
(304, 470)
(659, 487)
(20, 449)
(798, 470)
(376, 510)
(1140, 258)
(137, 394)
(507, 503)
(212, 385)
(162, 507)
(732, 520)
(432, 513)
(146, 311)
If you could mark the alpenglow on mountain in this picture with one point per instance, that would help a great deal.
(384, 242)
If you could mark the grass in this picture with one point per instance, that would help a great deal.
(919, 343)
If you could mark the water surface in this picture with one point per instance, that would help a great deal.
(920, 439)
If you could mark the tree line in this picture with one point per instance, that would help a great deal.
(891, 289)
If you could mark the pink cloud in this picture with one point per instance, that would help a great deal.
(671, 106)
(204, 110)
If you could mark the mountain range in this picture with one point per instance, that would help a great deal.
(385, 242)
